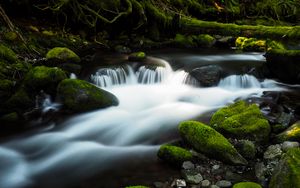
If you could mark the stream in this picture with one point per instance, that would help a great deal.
(118, 145)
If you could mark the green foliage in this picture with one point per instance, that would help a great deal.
(174, 155)
(208, 141)
(246, 185)
(240, 120)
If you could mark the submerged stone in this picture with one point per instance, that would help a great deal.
(80, 96)
(208, 141)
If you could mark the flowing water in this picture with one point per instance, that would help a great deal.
(153, 100)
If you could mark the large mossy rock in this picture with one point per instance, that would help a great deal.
(246, 185)
(291, 134)
(208, 141)
(287, 172)
(174, 155)
(44, 78)
(80, 96)
(284, 64)
(62, 54)
(241, 120)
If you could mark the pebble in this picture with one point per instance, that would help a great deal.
(214, 186)
(187, 165)
(192, 176)
(287, 145)
(272, 152)
(224, 183)
(205, 183)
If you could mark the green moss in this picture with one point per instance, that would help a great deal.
(79, 96)
(250, 44)
(204, 40)
(291, 134)
(7, 54)
(272, 45)
(246, 185)
(240, 120)
(137, 56)
(48, 33)
(63, 54)
(246, 148)
(20, 100)
(287, 172)
(184, 41)
(46, 78)
(137, 186)
(6, 85)
(9, 119)
(174, 155)
(208, 141)
(10, 36)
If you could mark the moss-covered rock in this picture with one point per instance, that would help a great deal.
(174, 155)
(246, 185)
(137, 56)
(291, 134)
(44, 78)
(79, 96)
(137, 186)
(287, 172)
(204, 40)
(209, 142)
(250, 44)
(273, 45)
(246, 148)
(62, 54)
(284, 65)
(20, 100)
(184, 41)
(240, 120)
(7, 54)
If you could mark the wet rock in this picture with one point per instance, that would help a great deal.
(261, 171)
(187, 165)
(241, 120)
(207, 76)
(287, 172)
(224, 183)
(80, 96)
(174, 155)
(291, 134)
(247, 185)
(62, 54)
(205, 183)
(192, 176)
(216, 169)
(225, 42)
(287, 145)
(273, 152)
(208, 141)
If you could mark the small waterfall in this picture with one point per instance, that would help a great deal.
(147, 75)
(73, 76)
(107, 77)
(240, 81)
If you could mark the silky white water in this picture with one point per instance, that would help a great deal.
(152, 104)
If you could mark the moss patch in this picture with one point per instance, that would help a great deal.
(240, 120)
(291, 134)
(79, 96)
(63, 54)
(208, 141)
(251, 44)
(287, 172)
(7, 54)
(246, 185)
(174, 155)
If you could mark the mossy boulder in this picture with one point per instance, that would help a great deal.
(284, 64)
(7, 54)
(137, 186)
(246, 148)
(291, 134)
(243, 121)
(80, 96)
(208, 141)
(184, 41)
(174, 155)
(250, 44)
(63, 54)
(287, 172)
(20, 100)
(246, 185)
(137, 56)
(10, 36)
(204, 40)
(44, 78)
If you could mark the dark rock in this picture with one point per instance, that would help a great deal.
(273, 152)
(188, 165)
(207, 76)
(224, 183)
